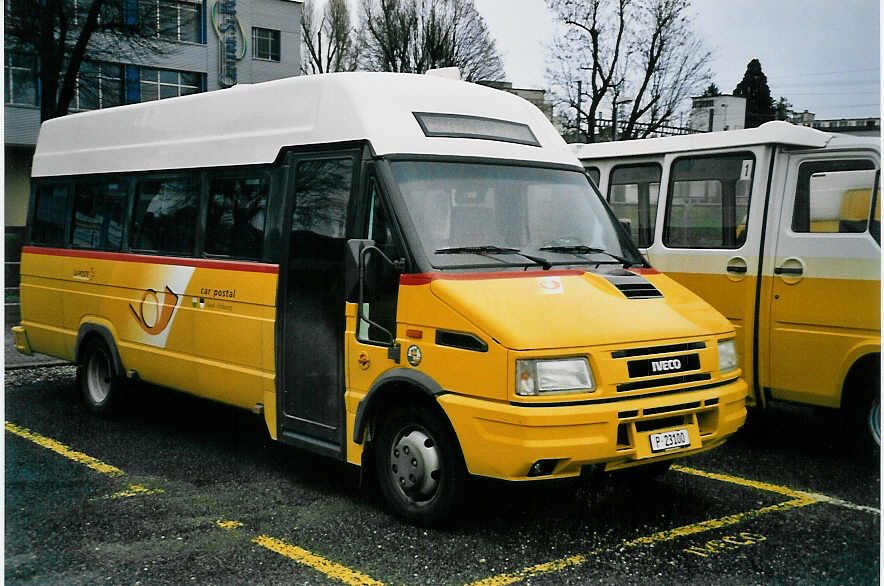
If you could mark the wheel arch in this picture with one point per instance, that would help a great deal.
(863, 365)
(398, 384)
(91, 331)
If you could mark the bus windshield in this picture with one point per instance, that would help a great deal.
(474, 214)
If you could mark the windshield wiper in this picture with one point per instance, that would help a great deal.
(583, 249)
(485, 250)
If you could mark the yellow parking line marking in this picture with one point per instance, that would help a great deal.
(740, 481)
(133, 490)
(840, 503)
(547, 568)
(798, 499)
(64, 450)
(229, 525)
(327, 567)
(702, 526)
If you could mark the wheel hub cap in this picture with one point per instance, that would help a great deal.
(414, 465)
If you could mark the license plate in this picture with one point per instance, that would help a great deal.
(670, 440)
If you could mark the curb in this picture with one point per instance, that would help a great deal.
(39, 365)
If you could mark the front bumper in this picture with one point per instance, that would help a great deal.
(504, 441)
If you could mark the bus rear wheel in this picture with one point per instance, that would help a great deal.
(864, 411)
(419, 466)
(99, 384)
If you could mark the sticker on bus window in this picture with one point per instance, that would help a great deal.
(746, 171)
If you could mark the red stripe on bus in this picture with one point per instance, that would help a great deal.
(643, 271)
(425, 278)
(224, 265)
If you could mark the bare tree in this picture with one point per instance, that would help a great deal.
(641, 50)
(331, 42)
(589, 51)
(62, 35)
(413, 36)
(672, 65)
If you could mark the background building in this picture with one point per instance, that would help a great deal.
(535, 96)
(712, 113)
(855, 126)
(265, 45)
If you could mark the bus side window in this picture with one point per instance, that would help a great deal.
(633, 191)
(383, 309)
(164, 218)
(99, 212)
(49, 215)
(708, 202)
(801, 215)
(236, 216)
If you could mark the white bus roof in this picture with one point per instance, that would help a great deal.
(778, 132)
(249, 124)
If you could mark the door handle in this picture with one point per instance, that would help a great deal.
(736, 269)
(795, 271)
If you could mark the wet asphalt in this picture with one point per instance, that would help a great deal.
(203, 489)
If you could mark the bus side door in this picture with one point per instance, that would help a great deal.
(311, 301)
(708, 235)
(825, 292)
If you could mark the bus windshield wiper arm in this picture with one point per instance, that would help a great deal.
(492, 249)
(582, 249)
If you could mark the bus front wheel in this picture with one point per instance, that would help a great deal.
(419, 466)
(99, 383)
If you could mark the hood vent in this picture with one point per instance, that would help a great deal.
(638, 290)
(632, 286)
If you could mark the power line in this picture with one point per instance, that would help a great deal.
(832, 93)
(799, 75)
(828, 83)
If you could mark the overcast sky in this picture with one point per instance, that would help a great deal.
(822, 55)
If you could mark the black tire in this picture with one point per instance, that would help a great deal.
(100, 386)
(419, 465)
(864, 412)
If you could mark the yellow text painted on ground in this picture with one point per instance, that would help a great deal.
(327, 567)
(60, 448)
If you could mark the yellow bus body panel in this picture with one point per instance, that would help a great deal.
(189, 325)
(501, 434)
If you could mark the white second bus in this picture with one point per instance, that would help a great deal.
(778, 227)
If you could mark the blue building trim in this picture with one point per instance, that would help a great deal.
(132, 84)
(204, 25)
(130, 12)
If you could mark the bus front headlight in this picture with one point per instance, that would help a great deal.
(560, 375)
(727, 356)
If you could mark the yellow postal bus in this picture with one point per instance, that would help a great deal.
(398, 271)
(779, 228)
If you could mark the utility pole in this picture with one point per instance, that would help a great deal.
(579, 98)
(616, 102)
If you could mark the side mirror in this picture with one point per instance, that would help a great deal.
(351, 267)
(626, 223)
(368, 274)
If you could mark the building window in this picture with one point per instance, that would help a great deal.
(176, 21)
(266, 44)
(21, 79)
(99, 85)
(158, 84)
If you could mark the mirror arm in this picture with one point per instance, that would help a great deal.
(393, 353)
